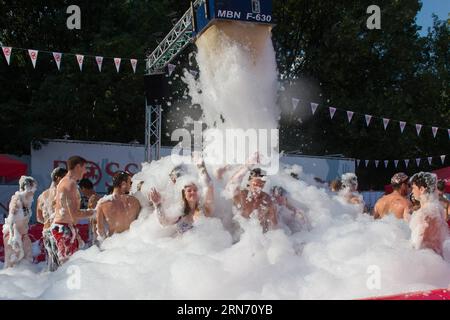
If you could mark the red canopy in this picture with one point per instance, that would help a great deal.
(443, 173)
(11, 169)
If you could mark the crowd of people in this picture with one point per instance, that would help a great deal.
(418, 200)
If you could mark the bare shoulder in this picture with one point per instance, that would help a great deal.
(132, 200)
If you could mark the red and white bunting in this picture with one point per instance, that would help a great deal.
(33, 56)
(377, 162)
(315, 105)
(7, 53)
(418, 162)
(396, 163)
(366, 162)
(443, 158)
(406, 162)
(99, 61)
(368, 118)
(402, 126)
(57, 56)
(434, 130)
(357, 162)
(430, 159)
(80, 59)
(386, 163)
(332, 112)
(133, 64)
(418, 128)
(295, 102)
(117, 63)
(350, 116)
(171, 69)
(385, 122)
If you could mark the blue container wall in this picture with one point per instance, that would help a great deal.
(259, 11)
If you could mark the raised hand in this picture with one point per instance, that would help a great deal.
(155, 197)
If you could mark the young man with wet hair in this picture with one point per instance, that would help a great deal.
(45, 213)
(116, 212)
(68, 212)
(428, 226)
(397, 202)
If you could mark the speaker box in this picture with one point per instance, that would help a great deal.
(156, 88)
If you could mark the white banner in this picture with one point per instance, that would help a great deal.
(315, 105)
(57, 56)
(366, 163)
(33, 56)
(133, 64)
(376, 163)
(386, 163)
(80, 59)
(7, 52)
(99, 61)
(117, 63)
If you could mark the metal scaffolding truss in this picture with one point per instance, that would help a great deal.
(152, 132)
(175, 41)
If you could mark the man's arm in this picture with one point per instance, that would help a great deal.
(39, 211)
(100, 223)
(155, 198)
(209, 198)
(74, 206)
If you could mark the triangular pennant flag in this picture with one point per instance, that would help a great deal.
(357, 162)
(7, 52)
(448, 130)
(57, 56)
(332, 112)
(33, 56)
(117, 63)
(386, 163)
(435, 130)
(295, 102)
(350, 116)
(443, 158)
(194, 73)
(368, 118)
(396, 163)
(80, 59)
(430, 159)
(402, 126)
(418, 162)
(366, 162)
(406, 162)
(385, 122)
(133, 64)
(418, 128)
(171, 68)
(99, 61)
(315, 105)
(377, 162)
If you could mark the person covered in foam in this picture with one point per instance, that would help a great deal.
(288, 214)
(192, 207)
(16, 241)
(428, 226)
(349, 192)
(45, 213)
(253, 200)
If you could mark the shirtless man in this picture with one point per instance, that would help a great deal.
(253, 199)
(68, 212)
(443, 199)
(397, 202)
(116, 212)
(349, 191)
(45, 213)
(15, 230)
(428, 226)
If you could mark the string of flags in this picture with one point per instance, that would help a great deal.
(57, 56)
(368, 119)
(406, 162)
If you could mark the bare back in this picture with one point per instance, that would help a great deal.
(262, 203)
(392, 204)
(117, 214)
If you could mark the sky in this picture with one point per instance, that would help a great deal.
(440, 7)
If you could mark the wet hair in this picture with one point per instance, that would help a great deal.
(58, 173)
(119, 177)
(73, 161)
(278, 191)
(349, 180)
(336, 185)
(441, 185)
(186, 210)
(294, 175)
(109, 190)
(26, 183)
(425, 179)
(86, 184)
(256, 173)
